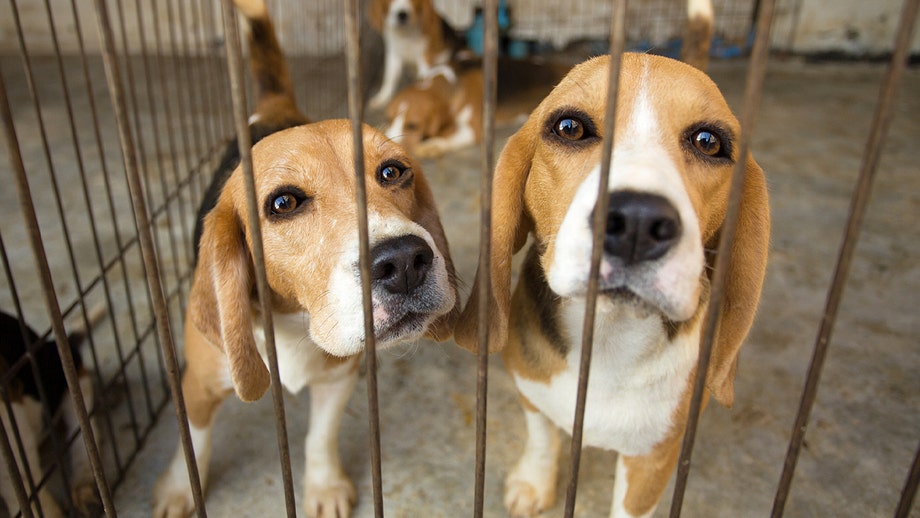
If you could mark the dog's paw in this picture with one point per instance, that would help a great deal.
(171, 499)
(431, 148)
(330, 499)
(85, 498)
(525, 497)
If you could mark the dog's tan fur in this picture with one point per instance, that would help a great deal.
(536, 180)
(311, 263)
(435, 116)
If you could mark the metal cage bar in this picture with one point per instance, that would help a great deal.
(355, 110)
(487, 172)
(860, 199)
(753, 89)
(51, 302)
(145, 239)
(237, 90)
(617, 44)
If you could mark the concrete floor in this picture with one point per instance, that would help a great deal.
(865, 426)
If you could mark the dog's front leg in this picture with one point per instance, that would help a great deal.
(82, 486)
(392, 71)
(531, 485)
(27, 415)
(640, 480)
(204, 391)
(328, 491)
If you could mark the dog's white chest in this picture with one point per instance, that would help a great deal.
(637, 379)
(299, 359)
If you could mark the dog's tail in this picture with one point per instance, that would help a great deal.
(698, 35)
(274, 90)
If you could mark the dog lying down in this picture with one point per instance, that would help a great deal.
(23, 393)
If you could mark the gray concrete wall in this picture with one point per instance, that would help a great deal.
(849, 26)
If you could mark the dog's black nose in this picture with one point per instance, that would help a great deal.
(402, 16)
(401, 264)
(640, 226)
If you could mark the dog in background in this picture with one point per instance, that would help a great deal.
(438, 114)
(276, 106)
(24, 395)
(675, 147)
(305, 182)
(414, 34)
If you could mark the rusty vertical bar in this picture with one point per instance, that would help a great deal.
(181, 132)
(51, 303)
(487, 171)
(9, 457)
(752, 94)
(158, 150)
(617, 45)
(877, 135)
(910, 488)
(100, 150)
(145, 239)
(355, 111)
(80, 162)
(12, 468)
(237, 91)
(194, 83)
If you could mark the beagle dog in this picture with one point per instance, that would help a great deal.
(306, 189)
(414, 34)
(26, 396)
(435, 116)
(674, 150)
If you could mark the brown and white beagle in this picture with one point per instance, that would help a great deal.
(436, 115)
(414, 34)
(305, 183)
(674, 150)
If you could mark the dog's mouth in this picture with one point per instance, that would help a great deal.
(393, 330)
(625, 297)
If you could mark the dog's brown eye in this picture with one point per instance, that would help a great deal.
(706, 142)
(569, 128)
(284, 204)
(392, 172)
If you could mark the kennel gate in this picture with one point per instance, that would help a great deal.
(164, 178)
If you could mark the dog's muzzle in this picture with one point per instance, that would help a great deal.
(400, 265)
(640, 227)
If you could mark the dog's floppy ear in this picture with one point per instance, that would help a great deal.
(442, 328)
(510, 226)
(223, 312)
(746, 270)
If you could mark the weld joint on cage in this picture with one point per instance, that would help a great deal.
(244, 142)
